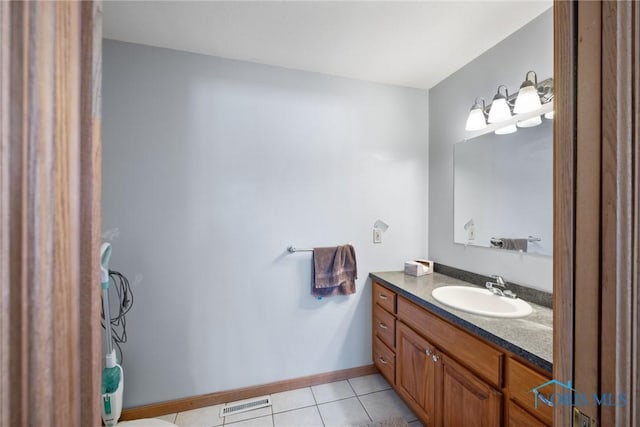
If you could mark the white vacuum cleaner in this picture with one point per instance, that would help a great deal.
(112, 375)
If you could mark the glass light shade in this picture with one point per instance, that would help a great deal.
(527, 100)
(499, 111)
(529, 123)
(505, 130)
(476, 120)
(549, 115)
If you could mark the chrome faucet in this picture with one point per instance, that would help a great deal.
(504, 292)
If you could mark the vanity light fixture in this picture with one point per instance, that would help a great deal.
(476, 119)
(528, 100)
(531, 97)
(501, 111)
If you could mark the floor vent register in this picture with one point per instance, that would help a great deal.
(245, 405)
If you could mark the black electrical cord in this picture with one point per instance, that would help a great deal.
(125, 301)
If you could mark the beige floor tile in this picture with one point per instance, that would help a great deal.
(332, 391)
(369, 384)
(343, 412)
(169, 418)
(266, 421)
(203, 417)
(305, 417)
(292, 399)
(382, 405)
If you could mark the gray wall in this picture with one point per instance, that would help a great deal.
(211, 168)
(530, 48)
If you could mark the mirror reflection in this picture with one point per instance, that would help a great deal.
(503, 190)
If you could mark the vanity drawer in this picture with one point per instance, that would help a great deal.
(384, 326)
(518, 417)
(480, 357)
(521, 380)
(385, 360)
(384, 297)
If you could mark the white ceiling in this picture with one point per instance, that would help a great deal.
(415, 44)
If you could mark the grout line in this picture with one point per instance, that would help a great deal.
(337, 400)
(321, 420)
(334, 400)
(295, 409)
(314, 395)
(365, 409)
(360, 402)
(376, 391)
(352, 389)
(321, 417)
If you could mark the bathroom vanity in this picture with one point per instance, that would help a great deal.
(454, 368)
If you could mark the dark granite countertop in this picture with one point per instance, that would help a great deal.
(529, 337)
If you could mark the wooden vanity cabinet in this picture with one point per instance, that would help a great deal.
(521, 380)
(418, 375)
(465, 372)
(467, 400)
(447, 376)
(518, 417)
(384, 331)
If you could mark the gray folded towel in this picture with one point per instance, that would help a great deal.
(510, 244)
(335, 271)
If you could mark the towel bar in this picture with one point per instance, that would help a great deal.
(529, 239)
(293, 249)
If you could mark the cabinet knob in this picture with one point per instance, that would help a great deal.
(428, 351)
(435, 358)
(382, 325)
(383, 296)
(381, 359)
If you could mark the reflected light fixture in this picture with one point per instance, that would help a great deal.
(500, 110)
(533, 121)
(476, 119)
(505, 130)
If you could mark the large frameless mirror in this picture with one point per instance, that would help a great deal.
(503, 190)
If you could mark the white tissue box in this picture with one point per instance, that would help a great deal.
(418, 267)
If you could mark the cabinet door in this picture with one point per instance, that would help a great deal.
(417, 375)
(467, 400)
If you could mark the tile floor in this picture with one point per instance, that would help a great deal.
(356, 401)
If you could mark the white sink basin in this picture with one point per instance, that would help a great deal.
(481, 301)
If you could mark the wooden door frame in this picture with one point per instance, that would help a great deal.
(50, 74)
(584, 49)
(620, 197)
(564, 179)
(596, 227)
